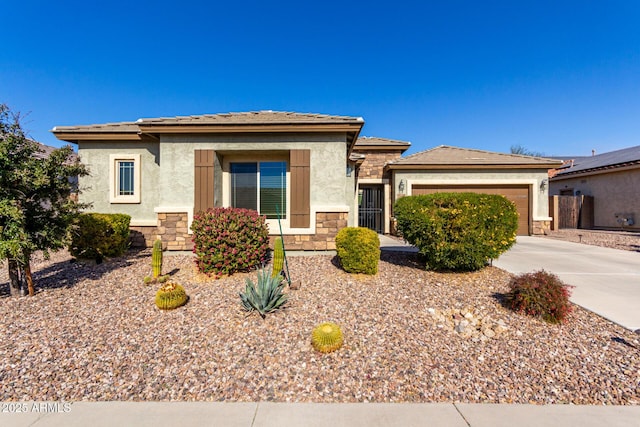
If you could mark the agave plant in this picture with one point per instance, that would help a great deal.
(265, 296)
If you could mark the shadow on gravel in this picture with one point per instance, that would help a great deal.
(500, 299)
(624, 342)
(403, 259)
(68, 273)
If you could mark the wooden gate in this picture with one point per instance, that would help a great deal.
(572, 211)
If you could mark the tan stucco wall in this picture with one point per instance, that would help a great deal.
(532, 177)
(168, 170)
(95, 187)
(613, 193)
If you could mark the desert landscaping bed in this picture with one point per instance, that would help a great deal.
(92, 332)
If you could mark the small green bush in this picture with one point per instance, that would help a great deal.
(457, 231)
(358, 250)
(228, 240)
(539, 294)
(97, 236)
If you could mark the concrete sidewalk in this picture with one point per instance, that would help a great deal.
(607, 281)
(265, 414)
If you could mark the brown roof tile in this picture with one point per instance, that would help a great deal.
(447, 155)
(252, 117)
(124, 127)
(248, 118)
(375, 141)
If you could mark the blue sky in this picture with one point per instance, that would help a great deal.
(558, 77)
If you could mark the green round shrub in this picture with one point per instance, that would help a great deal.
(98, 235)
(457, 231)
(539, 294)
(358, 250)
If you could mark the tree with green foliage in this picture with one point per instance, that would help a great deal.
(36, 208)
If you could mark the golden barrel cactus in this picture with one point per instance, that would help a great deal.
(171, 295)
(326, 337)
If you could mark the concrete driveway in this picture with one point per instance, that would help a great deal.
(607, 281)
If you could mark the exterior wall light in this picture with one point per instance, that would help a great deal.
(401, 186)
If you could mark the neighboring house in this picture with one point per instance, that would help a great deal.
(612, 179)
(313, 169)
(521, 179)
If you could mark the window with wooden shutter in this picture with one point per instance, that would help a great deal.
(300, 188)
(204, 182)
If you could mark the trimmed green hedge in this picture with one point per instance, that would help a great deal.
(457, 231)
(358, 250)
(97, 236)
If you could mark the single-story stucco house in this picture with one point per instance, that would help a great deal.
(612, 179)
(313, 170)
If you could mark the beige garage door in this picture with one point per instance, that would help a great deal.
(518, 194)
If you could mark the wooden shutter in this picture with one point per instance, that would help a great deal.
(300, 188)
(203, 185)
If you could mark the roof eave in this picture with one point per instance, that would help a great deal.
(158, 128)
(76, 136)
(595, 171)
(441, 166)
(381, 147)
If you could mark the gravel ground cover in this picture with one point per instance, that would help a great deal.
(625, 240)
(92, 332)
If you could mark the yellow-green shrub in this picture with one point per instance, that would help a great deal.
(358, 250)
(457, 231)
(97, 235)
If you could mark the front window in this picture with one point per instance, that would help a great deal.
(261, 186)
(124, 185)
(126, 178)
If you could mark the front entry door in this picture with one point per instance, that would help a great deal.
(371, 207)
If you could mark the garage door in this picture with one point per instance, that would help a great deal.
(518, 194)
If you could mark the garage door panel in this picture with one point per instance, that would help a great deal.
(519, 195)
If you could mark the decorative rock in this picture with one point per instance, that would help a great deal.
(461, 327)
(468, 324)
(489, 333)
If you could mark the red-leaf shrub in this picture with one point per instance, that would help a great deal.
(228, 240)
(539, 294)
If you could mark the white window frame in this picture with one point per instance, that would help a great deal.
(114, 177)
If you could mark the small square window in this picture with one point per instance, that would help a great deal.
(124, 180)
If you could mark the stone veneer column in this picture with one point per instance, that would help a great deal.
(173, 229)
(541, 227)
(327, 226)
